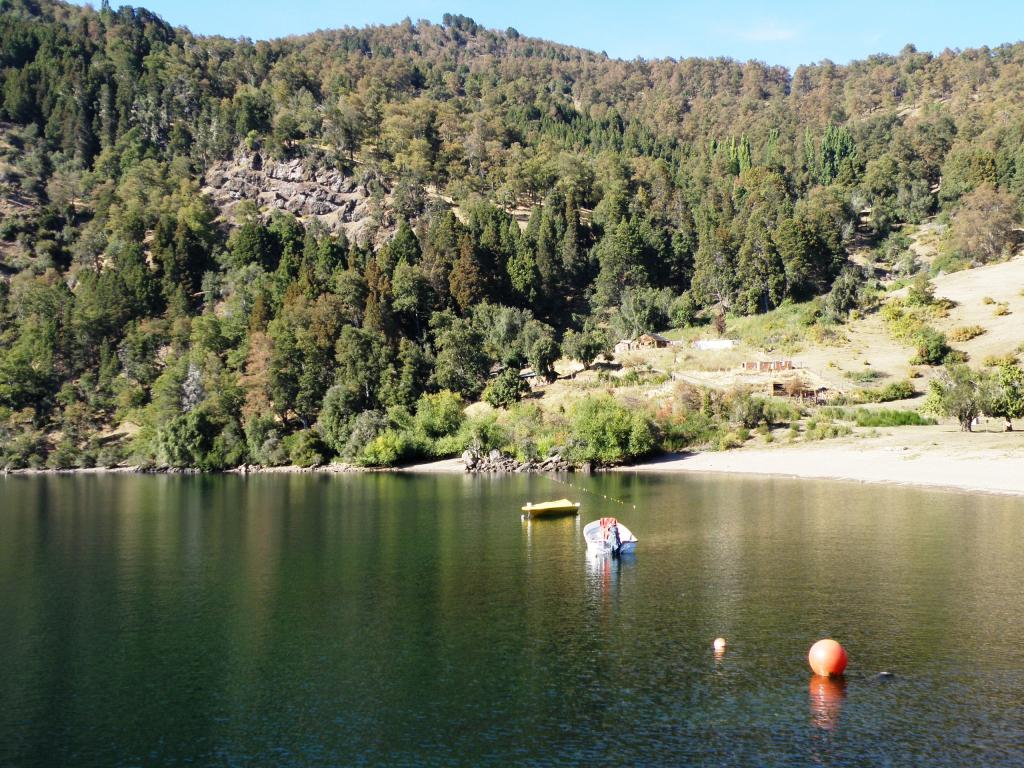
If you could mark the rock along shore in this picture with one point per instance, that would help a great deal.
(496, 462)
(473, 462)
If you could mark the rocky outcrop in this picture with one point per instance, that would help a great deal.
(496, 461)
(325, 194)
(292, 469)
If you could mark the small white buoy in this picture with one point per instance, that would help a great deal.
(719, 644)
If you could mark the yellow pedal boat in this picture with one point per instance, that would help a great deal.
(552, 508)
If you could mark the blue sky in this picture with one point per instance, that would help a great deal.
(788, 33)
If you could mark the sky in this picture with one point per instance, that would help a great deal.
(787, 33)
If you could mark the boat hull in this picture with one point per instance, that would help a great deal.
(599, 544)
(551, 509)
(603, 548)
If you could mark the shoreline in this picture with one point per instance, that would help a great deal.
(140, 469)
(937, 457)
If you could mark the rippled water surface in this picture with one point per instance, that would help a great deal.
(400, 620)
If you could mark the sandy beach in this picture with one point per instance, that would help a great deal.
(939, 456)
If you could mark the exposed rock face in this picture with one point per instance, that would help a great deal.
(496, 461)
(325, 194)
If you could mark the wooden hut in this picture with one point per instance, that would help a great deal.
(651, 340)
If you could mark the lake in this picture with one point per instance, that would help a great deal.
(389, 619)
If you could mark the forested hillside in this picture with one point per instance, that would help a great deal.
(467, 200)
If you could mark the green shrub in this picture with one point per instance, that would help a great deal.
(392, 448)
(835, 413)
(865, 417)
(606, 432)
(483, 433)
(779, 411)
(921, 291)
(65, 455)
(906, 325)
(228, 449)
(824, 429)
(633, 377)
(263, 439)
(683, 311)
(26, 449)
(966, 332)
(110, 455)
(746, 409)
(955, 356)
(387, 449)
(863, 377)
(364, 427)
(504, 390)
(529, 434)
(187, 440)
(847, 294)
(949, 261)
(931, 347)
(439, 414)
(996, 361)
(892, 248)
(449, 445)
(730, 440)
(688, 429)
(897, 390)
(335, 421)
(903, 326)
(305, 448)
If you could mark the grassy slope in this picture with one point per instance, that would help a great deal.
(863, 344)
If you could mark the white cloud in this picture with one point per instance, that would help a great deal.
(768, 32)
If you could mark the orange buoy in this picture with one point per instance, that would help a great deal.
(719, 644)
(827, 657)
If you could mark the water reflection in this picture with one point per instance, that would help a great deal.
(603, 569)
(826, 696)
(605, 572)
(551, 528)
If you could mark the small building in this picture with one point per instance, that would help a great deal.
(652, 340)
(766, 366)
(799, 391)
(643, 341)
(714, 344)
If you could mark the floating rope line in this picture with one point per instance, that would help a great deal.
(587, 490)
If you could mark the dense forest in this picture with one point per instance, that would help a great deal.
(527, 200)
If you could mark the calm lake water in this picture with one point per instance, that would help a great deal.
(398, 620)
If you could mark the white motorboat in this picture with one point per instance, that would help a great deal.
(607, 536)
